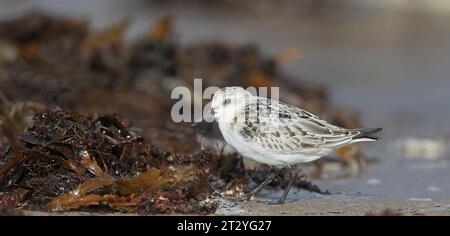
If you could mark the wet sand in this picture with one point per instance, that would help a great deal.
(331, 206)
(352, 206)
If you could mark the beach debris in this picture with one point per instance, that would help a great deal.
(67, 161)
(423, 148)
(127, 193)
(434, 189)
(373, 182)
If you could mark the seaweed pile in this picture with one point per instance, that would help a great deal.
(85, 117)
(66, 161)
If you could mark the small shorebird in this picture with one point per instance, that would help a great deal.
(277, 134)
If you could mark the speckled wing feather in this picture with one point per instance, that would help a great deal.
(285, 129)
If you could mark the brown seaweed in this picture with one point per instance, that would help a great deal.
(132, 188)
(69, 161)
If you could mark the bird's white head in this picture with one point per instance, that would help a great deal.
(228, 101)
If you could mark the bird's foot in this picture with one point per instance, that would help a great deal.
(276, 202)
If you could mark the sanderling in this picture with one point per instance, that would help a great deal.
(277, 134)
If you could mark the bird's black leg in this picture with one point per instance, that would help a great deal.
(293, 174)
(268, 180)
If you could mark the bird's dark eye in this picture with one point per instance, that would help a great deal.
(226, 101)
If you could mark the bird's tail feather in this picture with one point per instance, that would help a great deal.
(366, 135)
